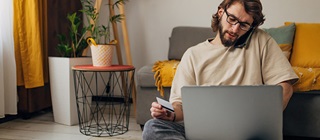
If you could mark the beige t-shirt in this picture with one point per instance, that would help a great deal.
(260, 62)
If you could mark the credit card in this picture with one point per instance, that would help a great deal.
(165, 104)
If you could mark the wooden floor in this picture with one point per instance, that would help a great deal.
(42, 127)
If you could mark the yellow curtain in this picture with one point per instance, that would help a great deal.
(27, 42)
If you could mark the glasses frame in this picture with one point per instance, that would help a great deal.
(237, 21)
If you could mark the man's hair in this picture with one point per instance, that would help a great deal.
(252, 7)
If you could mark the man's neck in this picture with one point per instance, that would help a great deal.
(217, 40)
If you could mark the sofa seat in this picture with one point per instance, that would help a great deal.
(302, 115)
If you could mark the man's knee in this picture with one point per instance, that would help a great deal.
(160, 129)
(148, 130)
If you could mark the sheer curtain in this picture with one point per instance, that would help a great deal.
(8, 84)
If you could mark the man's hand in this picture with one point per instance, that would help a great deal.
(157, 111)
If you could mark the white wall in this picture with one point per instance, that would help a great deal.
(150, 22)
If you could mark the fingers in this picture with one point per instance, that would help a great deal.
(157, 111)
(156, 105)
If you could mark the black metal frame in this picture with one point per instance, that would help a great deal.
(99, 117)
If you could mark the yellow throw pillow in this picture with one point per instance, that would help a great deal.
(306, 46)
(309, 79)
(164, 72)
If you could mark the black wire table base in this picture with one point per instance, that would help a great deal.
(99, 117)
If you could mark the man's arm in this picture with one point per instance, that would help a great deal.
(177, 106)
(287, 91)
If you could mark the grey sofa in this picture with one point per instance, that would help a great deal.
(301, 118)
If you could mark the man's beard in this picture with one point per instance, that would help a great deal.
(224, 41)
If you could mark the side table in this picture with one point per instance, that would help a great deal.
(93, 85)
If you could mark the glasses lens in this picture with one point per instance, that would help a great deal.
(244, 26)
(233, 21)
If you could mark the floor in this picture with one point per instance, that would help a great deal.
(41, 126)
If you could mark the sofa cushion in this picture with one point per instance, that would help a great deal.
(284, 37)
(183, 37)
(305, 56)
(305, 52)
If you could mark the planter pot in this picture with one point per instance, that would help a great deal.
(62, 88)
(101, 53)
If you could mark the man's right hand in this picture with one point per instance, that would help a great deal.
(158, 112)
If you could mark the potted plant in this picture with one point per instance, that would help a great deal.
(100, 41)
(72, 50)
(75, 45)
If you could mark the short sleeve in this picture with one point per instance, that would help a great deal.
(184, 76)
(275, 66)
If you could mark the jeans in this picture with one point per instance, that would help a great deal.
(157, 129)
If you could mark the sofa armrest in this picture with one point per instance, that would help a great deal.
(145, 76)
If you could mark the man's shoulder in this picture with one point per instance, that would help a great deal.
(198, 48)
(260, 35)
(200, 45)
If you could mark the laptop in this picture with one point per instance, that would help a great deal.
(232, 112)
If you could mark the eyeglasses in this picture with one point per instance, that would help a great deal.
(233, 21)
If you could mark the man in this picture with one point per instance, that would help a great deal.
(225, 61)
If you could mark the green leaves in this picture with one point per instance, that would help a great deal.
(116, 18)
(89, 10)
(74, 22)
(63, 47)
(75, 44)
(117, 3)
(101, 33)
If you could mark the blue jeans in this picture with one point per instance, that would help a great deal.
(157, 129)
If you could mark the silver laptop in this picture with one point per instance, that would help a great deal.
(232, 112)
